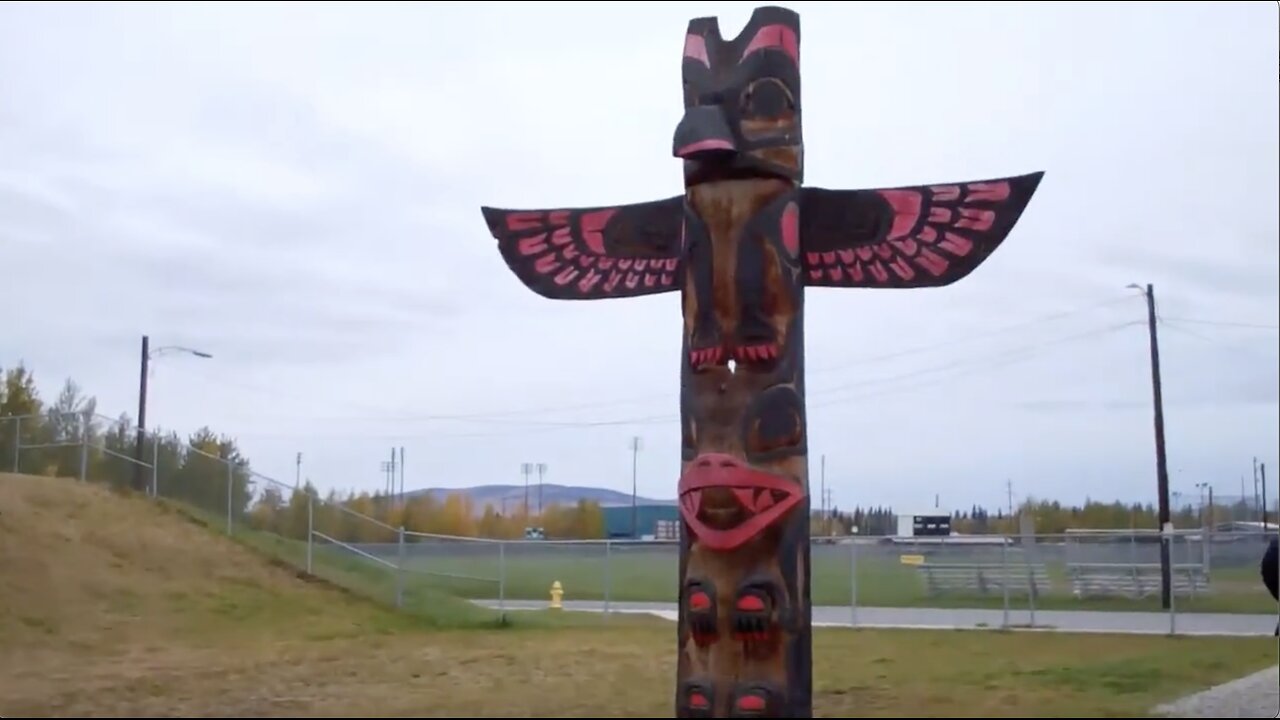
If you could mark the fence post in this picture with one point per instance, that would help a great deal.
(310, 527)
(155, 466)
(853, 581)
(84, 447)
(1004, 578)
(230, 485)
(1173, 585)
(502, 578)
(608, 575)
(400, 569)
(1206, 541)
(17, 442)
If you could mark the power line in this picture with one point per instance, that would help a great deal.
(970, 337)
(1222, 323)
(495, 417)
(838, 395)
(976, 365)
(1235, 347)
(1004, 354)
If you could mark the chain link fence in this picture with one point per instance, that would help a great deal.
(367, 550)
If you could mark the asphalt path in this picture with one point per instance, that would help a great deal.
(1153, 623)
(1252, 696)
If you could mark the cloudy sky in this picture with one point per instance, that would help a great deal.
(297, 191)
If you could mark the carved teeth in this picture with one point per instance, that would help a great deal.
(759, 353)
(764, 501)
(706, 356)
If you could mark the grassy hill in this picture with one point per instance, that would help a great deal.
(113, 604)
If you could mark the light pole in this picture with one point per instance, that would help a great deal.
(542, 470)
(525, 469)
(1201, 487)
(1162, 467)
(147, 354)
(635, 454)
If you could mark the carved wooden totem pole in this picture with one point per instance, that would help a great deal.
(740, 245)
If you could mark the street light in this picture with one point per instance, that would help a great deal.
(178, 348)
(147, 354)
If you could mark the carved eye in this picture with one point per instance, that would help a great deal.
(777, 422)
(772, 433)
(767, 98)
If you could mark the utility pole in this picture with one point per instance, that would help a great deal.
(1201, 487)
(1255, 482)
(830, 511)
(297, 475)
(525, 469)
(1008, 489)
(139, 483)
(1162, 468)
(142, 415)
(385, 467)
(391, 480)
(542, 470)
(1262, 469)
(635, 456)
(822, 506)
(401, 473)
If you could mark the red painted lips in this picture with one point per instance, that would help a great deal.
(759, 500)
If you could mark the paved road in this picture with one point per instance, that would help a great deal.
(934, 618)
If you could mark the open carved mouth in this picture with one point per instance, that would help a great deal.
(726, 503)
(729, 166)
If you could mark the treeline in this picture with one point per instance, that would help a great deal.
(376, 518)
(1048, 517)
(66, 438)
(208, 471)
(58, 438)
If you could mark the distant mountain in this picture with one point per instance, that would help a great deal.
(513, 496)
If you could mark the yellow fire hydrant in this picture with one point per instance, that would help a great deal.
(557, 592)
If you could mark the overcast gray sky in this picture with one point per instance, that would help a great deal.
(296, 189)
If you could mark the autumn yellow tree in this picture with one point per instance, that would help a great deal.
(456, 516)
(419, 514)
(490, 523)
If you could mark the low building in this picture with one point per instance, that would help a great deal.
(660, 522)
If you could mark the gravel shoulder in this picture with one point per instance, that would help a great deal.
(1252, 696)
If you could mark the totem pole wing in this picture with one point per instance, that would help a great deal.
(908, 237)
(593, 253)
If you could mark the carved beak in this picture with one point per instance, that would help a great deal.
(702, 131)
(762, 498)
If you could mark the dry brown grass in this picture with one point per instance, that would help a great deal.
(112, 607)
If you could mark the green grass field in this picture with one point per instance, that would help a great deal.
(640, 572)
(650, 575)
(643, 574)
